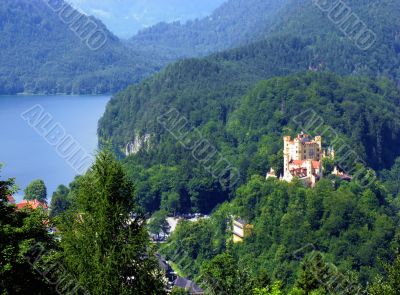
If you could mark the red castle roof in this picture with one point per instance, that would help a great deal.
(35, 204)
(315, 164)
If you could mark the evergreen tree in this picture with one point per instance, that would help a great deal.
(105, 241)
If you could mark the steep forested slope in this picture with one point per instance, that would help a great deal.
(235, 22)
(207, 90)
(40, 52)
(44, 46)
(332, 239)
(248, 129)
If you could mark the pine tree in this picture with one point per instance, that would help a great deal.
(104, 238)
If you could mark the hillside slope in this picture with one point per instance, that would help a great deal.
(46, 46)
(248, 130)
(234, 23)
(45, 49)
(353, 230)
(125, 17)
(304, 38)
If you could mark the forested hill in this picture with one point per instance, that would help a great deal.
(363, 112)
(41, 52)
(234, 23)
(303, 39)
(44, 45)
(208, 92)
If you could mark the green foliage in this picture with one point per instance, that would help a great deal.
(170, 202)
(173, 189)
(194, 242)
(328, 165)
(42, 54)
(158, 223)
(22, 233)
(275, 289)
(221, 275)
(353, 227)
(104, 239)
(179, 291)
(391, 178)
(59, 201)
(389, 285)
(248, 129)
(234, 23)
(36, 190)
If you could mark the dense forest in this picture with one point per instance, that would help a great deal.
(235, 22)
(218, 96)
(221, 97)
(363, 113)
(305, 39)
(354, 229)
(199, 137)
(338, 238)
(99, 246)
(46, 47)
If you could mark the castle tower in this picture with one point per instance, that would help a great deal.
(318, 143)
(286, 154)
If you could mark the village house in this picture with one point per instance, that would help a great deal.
(35, 204)
(241, 230)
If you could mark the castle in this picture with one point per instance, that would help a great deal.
(302, 159)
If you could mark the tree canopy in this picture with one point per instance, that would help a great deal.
(104, 238)
(36, 190)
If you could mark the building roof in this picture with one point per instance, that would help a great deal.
(188, 285)
(163, 263)
(35, 204)
(297, 162)
(299, 172)
(316, 164)
(240, 221)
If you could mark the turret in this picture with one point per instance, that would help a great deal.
(286, 154)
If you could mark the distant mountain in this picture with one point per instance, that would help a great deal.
(44, 45)
(126, 17)
(234, 23)
(45, 49)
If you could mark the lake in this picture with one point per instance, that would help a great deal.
(29, 127)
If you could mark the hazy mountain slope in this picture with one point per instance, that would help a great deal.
(344, 52)
(232, 24)
(40, 52)
(126, 17)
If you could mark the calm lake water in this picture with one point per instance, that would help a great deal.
(26, 154)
